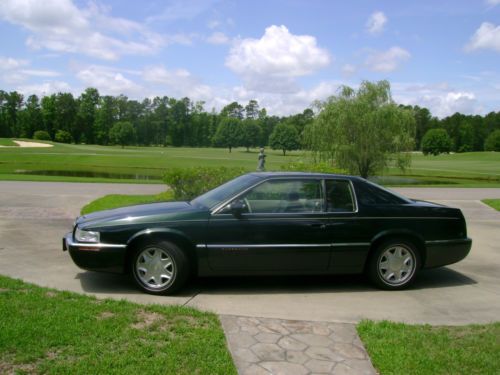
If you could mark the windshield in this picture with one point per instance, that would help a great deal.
(225, 191)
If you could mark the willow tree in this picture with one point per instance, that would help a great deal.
(362, 130)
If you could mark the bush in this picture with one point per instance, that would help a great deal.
(62, 136)
(300, 166)
(492, 143)
(41, 135)
(435, 142)
(188, 183)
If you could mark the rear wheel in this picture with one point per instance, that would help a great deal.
(160, 267)
(394, 264)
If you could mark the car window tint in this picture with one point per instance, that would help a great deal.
(339, 196)
(370, 194)
(277, 196)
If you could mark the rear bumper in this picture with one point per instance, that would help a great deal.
(95, 256)
(441, 253)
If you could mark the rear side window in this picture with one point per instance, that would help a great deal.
(370, 194)
(339, 196)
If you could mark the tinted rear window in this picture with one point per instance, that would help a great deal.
(370, 194)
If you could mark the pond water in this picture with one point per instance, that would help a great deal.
(118, 176)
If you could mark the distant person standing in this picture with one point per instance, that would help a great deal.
(262, 161)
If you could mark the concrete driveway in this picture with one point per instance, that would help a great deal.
(35, 215)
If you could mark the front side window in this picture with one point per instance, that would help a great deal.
(285, 196)
(339, 196)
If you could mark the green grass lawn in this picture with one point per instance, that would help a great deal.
(397, 348)
(46, 331)
(91, 163)
(7, 142)
(118, 200)
(495, 203)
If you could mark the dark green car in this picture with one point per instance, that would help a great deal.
(273, 223)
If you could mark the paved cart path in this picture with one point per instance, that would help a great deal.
(35, 215)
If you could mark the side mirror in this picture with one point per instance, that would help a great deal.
(237, 207)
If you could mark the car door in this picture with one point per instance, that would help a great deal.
(280, 229)
(345, 228)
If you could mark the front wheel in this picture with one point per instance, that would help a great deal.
(394, 265)
(160, 268)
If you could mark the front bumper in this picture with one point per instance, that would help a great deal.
(442, 253)
(96, 256)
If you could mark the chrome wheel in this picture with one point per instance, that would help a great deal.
(396, 265)
(155, 268)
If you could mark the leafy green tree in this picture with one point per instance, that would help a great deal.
(250, 136)
(31, 117)
(106, 115)
(363, 130)
(492, 143)
(435, 142)
(284, 137)
(41, 135)
(252, 109)
(229, 133)
(62, 136)
(234, 110)
(122, 133)
(86, 115)
(48, 106)
(65, 114)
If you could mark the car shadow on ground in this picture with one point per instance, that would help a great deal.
(427, 279)
(108, 283)
(102, 283)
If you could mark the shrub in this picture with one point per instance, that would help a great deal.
(300, 166)
(188, 183)
(435, 142)
(492, 143)
(62, 136)
(41, 135)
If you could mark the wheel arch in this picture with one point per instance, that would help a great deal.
(160, 234)
(408, 235)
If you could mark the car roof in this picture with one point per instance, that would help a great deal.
(302, 174)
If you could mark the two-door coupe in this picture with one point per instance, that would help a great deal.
(273, 223)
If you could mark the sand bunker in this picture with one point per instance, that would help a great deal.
(30, 144)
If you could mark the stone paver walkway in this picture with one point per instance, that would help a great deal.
(289, 347)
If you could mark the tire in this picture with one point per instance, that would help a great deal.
(160, 268)
(394, 264)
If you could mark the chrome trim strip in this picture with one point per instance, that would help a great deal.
(291, 245)
(258, 246)
(457, 240)
(343, 244)
(70, 242)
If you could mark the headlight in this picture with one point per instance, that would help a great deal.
(86, 236)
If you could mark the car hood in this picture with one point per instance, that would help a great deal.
(141, 213)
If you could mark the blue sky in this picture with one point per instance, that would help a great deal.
(444, 55)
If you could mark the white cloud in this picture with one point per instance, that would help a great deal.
(275, 60)
(13, 71)
(441, 99)
(376, 22)
(218, 38)
(387, 61)
(492, 2)
(9, 63)
(109, 81)
(486, 37)
(59, 25)
(45, 88)
(348, 70)
(177, 83)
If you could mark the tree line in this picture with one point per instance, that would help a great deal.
(102, 119)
